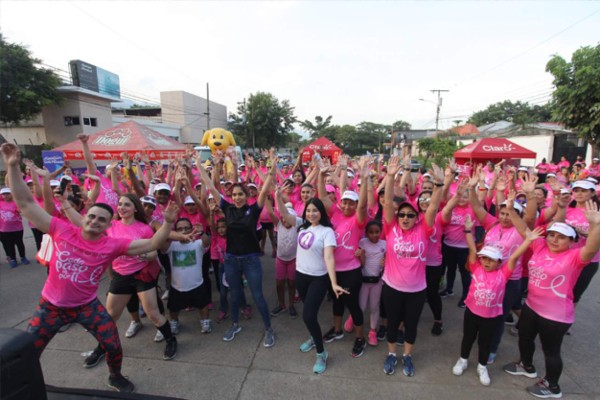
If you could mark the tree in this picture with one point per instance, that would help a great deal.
(317, 129)
(263, 121)
(437, 148)
(24, 87)
(577, 95)
(401, 126)
(518, 113)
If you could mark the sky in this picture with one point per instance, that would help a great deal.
(355, 60)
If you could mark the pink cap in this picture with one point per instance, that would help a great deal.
(329, 189)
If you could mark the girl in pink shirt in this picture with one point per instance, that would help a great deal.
(549, 310)
(11, 229)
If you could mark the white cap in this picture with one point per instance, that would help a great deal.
(54, 182)
(563, 229)
(350, 195)
(350, 174)
(28, 181)
(198, 184)
(210, 196)
(551, 175)
(252, 185)
(583, 185)
(593, 180)
(565, 191)
(427, 175)
(148, 200)
(189, 200)
(522, 169)
(595, 159)
(162, 186)
(66, 177)
(485, 185)
(491, 252)
(5, 190)
(516, 205)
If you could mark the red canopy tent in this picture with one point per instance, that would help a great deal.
(323, 146)
(129, 137)
(491, 149)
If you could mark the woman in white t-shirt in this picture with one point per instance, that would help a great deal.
(315, 269)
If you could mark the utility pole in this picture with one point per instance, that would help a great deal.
(439, 106)
(207, 113)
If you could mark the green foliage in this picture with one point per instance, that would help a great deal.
(577, 94)
(264, 117)
(518, 113)
(438, 149)
(319, 128)
(401, 126)
(24, 88)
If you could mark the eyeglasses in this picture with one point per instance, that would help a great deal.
(407, 215)
(425, 200)
(184, 229)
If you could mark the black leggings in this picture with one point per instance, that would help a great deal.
(206, 274)
(352, 281)
(402, 306)
(9, 241)
(312, 290)
(482, 329)
(215, 265)
(433, 275)
(551, 335)
(456, 257)
(37, 236)
(133, 305)
(584, 280)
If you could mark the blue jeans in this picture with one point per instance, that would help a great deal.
(251, 268)
(224, 291)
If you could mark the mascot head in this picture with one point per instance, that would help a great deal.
(218, 139)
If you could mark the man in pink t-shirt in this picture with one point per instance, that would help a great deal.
(80, 257)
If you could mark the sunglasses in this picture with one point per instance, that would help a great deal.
(407, 215)
(425, 200)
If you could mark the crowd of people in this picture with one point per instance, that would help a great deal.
(375, 238)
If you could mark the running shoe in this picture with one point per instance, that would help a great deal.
(408, 366)
(543, 390)
(12, 263)
(269, 338)
(446, 293)
(389, 367)
(170, 349)
(517, 368)
(332, 335)
(484, 377)
(460, 366)
(231, 332)
(205, 326)
(349, 324)
(158, 337)
(292, 311)
(277, 310)
(120, 383)
(373, 338)
(321, 363)
(94, 359)
(358, 349)
(25, 261)
(174, 326)
(307, 346)
(437, 328)
(134, 328)
(221, 317)
(400, 337)
(381, 333)
(247, 312)
(510, 320)
(461, 304)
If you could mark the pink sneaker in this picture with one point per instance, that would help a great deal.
(221, 317)
(349, 325)
(372, 338)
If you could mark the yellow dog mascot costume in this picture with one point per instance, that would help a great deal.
(219, 139)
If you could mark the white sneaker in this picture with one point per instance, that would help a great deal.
(484, 377)
(206, 328)
(460, 366)
(174, 326)
(158, 337)
(134, 328)
(165, 295)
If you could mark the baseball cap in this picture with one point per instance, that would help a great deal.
(350, 174)
(551, 175)
(149, 200)
(563, 229)
(189, 200)
(54, 182)
(252, 185)
(162, 186)
(491, 252)
(516, 205)
(350, 195)
(5, 190)
(329, 188)
(585, 184)
(67, 178)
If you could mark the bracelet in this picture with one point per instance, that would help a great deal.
(469, 231)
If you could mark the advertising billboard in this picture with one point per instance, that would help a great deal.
(88, 76)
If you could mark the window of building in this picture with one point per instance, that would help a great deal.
(69, 121)
(93, 121)
(86, 121)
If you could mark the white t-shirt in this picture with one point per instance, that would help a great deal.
(287, 240)
(186, 265)
(312, 241)
(374, 253)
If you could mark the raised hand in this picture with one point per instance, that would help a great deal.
(591, 212)
(11, 154)
(83, 138)
(529, 185)
(438, 174)
(532, 235)
(468, 222)
(393, 165)
(501, 183)
(170, 213)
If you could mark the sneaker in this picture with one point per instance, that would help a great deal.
(134, 328)
(170, 349)
(307, 346)
(484, 377)
(174, 326)
(277, 310)
(461, 304)
(269, 338)
(332, 335)
(446, 293)
(460, 366)
(515, 368)
(64, 328)
(349, 325)
(25, 261)
(247, 312)
(372, 338)
(543, 390)
(408, 366)
(158, 337)
(165, 295)
(400, 338)
(12, 263)
(491, 358)
(381, 333)
(389, 367)
(221, 317)
(231, 332)
(514, 331)
(437, 328)
(321, 363)
(120, 383)
(94, 359)
(359, 347)
(510, 320)
(292, 311)
(206, 328)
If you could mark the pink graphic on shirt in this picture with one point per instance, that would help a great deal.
(306, 239)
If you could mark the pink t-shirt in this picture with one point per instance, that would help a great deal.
(107, 194)
(576, 218)
(348, 233)
(434, 250)
(563, 164)
(487, 289)
(405, 260)
(10, 217)
(77, 264)
(553, 168)
(542, 168)
(218, 245)
(127, 265)
(454, 234)
(552, 277)
(505, 239)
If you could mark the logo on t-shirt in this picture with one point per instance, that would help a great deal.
(184, 258)
(538, 276)
(306, 239)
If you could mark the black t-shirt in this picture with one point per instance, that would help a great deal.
(242, 237)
